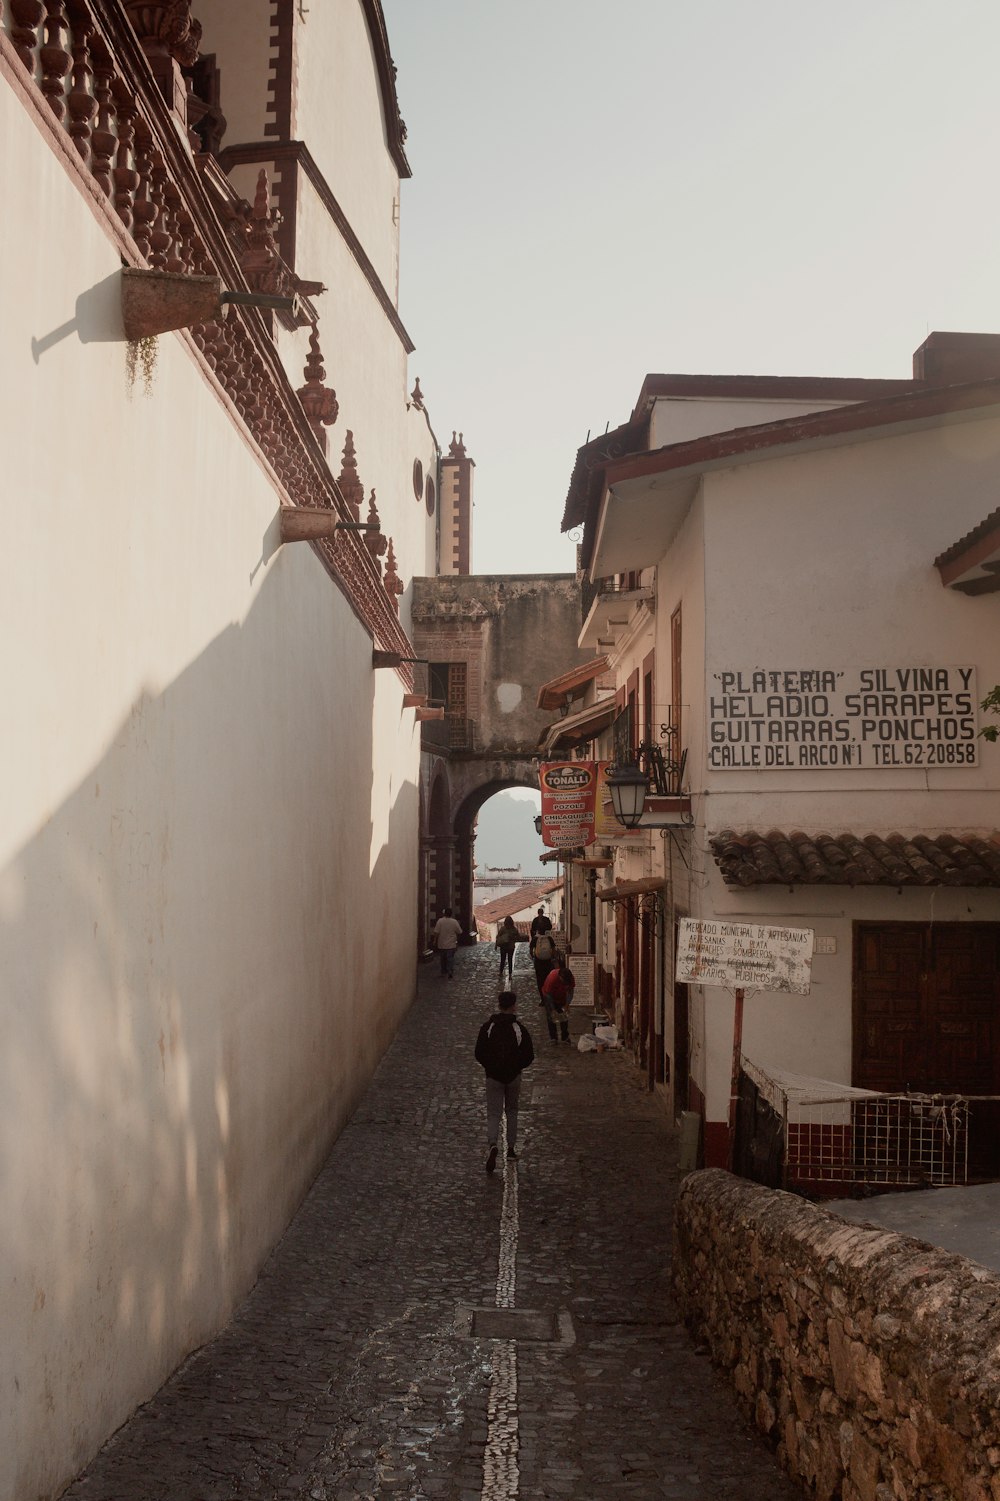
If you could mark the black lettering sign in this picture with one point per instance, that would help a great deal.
(810, 718)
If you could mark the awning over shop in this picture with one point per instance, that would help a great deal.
(552, 855)
(622, 889)
(642, 886)
(752, 858)
(569, 685)
(579, 727)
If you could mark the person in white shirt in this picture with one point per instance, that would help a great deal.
(447, 932)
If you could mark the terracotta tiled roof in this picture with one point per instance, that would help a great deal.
(985, 528)
(972, 564)
(516, 901)
(587, 478)
(796, 859)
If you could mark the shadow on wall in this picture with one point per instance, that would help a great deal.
(180, 1045)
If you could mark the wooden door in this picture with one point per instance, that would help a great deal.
(682, 1049)
(926, 1003)
(927, 1018)
(646, 916)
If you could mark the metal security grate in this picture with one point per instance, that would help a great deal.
(895, 1140)
(829, 1140)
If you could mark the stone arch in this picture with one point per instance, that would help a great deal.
(496, 779)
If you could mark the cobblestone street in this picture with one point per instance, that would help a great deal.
(388, 1348)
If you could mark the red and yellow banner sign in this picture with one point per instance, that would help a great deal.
(569, 797)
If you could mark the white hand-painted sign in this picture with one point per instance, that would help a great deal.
(764, 719)
(744, 956)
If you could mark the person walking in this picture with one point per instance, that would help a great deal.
(504, 1048)
(541, 948)
(540, 924)
(557, 997)
(506, 942)
(447, 932)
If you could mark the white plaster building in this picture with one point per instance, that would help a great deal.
(208, 854)
(798, 578)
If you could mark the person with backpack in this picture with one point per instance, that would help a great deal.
(557, 997)
(506, 942)
(542, 947)
(504, 1048)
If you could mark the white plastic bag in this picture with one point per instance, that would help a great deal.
(587, 1043)
(608, 1035)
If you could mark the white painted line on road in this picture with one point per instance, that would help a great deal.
(507, 1265)
(501, 1476)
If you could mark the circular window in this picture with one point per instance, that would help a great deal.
(418, 478)
(430, 495)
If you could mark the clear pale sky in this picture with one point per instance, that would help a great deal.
(728, 186)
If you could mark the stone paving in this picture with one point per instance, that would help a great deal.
(426, 1331)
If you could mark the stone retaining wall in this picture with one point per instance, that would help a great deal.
(871, 1361)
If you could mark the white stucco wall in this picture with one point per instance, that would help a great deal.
(339, 112)
(366, 365)
(215, 811)
(680, 581)
(826, 560)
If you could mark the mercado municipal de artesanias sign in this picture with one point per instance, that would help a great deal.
(744, 956)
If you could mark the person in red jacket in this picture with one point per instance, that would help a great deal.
(557, 997)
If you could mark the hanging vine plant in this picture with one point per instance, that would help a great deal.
(140, 356)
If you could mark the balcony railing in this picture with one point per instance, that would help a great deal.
(662, 760)
(831, 1140)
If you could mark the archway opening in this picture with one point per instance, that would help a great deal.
(507, 849)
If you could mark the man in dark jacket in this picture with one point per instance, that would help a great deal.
(541, 947)
(504, 1048)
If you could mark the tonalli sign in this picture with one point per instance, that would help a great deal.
(569, 790)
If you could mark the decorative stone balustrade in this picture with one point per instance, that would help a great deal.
(82, 66)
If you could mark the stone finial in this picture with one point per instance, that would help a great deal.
(261, 263)
(374, 540)
(392, 581)
(456, 449)
(417, 396)
(348, 479)
(319, 401)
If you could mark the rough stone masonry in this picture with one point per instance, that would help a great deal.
(871, 1360)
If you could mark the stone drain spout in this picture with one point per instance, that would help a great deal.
(155, 302)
